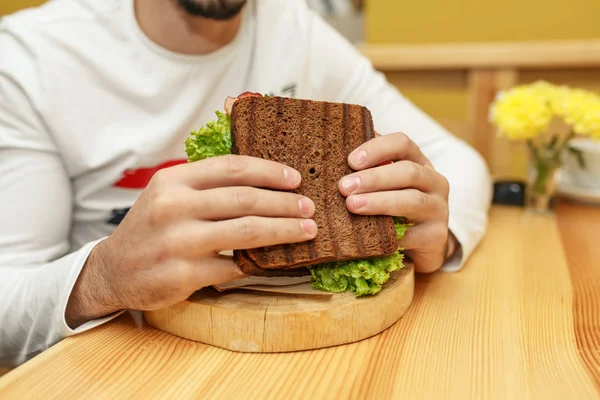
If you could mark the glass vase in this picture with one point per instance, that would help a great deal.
(541, 185)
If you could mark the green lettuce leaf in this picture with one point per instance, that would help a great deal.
(211, 140)
(362, 277)
(401, 226)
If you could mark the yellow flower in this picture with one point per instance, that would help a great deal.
(526, 111)
(553, 95)
(521, 112)
(581, 110)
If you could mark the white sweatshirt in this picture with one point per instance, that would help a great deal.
(90, 107)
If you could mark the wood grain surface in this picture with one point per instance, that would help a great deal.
(502, 328)
(260, 322)
(580, 231)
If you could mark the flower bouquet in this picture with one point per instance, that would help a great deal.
(535, 113)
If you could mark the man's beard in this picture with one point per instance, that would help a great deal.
(213, 9)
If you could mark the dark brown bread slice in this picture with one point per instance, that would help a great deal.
(315, 138)
(250, 268)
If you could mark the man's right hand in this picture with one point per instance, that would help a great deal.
(168, 245)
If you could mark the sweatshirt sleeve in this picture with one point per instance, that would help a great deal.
(37, 272)
(337, 71)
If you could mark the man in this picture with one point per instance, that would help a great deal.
(96, 100)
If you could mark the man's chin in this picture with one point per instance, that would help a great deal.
(221, 10)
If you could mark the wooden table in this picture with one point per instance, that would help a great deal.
(519, 321)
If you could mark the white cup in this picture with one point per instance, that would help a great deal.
(583, 178)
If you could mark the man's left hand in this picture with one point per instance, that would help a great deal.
(408, 187)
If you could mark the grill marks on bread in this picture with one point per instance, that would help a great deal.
(315, 138)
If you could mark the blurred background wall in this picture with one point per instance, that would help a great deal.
(444, 92)
(435, 21)
(9, 6)
(395, 32)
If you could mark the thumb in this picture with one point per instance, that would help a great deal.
(217, 270)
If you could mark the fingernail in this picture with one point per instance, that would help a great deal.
(351, 183)
(359, 158)
(306, 206)
(309, 226)
(359, 201)
(291, 176)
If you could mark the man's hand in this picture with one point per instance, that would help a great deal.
(408, 187)
(168, 245)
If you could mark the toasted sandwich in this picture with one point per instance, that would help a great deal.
(350, 252)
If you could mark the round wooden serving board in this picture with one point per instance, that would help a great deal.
(262, 322)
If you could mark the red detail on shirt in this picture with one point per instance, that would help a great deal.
(139, 178)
